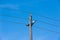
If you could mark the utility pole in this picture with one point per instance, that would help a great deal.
(30, 26)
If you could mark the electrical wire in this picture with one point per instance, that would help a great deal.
(44, 16)
(47, 29)
(11, 22)
(40, 27)
(39, 16)
(36, 27)
(14, 16)
(39, 21)
(48, 18)
(49, 23)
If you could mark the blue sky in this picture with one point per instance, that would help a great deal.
(22, 9)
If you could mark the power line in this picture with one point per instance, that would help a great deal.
(47, 29)
(49, 18)
(30, 26)
(49, 23)
(38, 20)
(13, 16)
(24, 18)
(11, 22)
(45, 17)
(38, 14)
(36, 27)
(19, 17)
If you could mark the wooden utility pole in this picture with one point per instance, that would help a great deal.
(30, 26)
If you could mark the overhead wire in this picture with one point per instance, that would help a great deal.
(44, 16)
(36, 27)
(11, 22)
(48, 18)
(14, 17)
(40, 21)
(39, 15)
(49, 23)
(45, 29)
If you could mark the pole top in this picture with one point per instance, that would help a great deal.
(30, 13)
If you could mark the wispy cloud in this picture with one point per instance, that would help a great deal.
(9, 6)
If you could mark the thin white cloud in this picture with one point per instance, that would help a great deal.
(9, 6)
